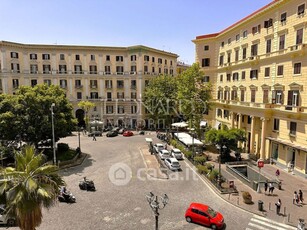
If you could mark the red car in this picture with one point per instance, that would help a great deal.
(128, 134)
(204, 215)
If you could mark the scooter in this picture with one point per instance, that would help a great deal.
(301, 224)
(87, 185)
(67, 197)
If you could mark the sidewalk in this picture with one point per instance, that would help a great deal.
(290, 213)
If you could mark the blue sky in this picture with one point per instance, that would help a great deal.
(168, 25)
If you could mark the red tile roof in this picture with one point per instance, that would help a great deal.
(233, 25)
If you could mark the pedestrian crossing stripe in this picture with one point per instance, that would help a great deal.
(262, 223)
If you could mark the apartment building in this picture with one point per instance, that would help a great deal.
(258, 69)
(111, 77)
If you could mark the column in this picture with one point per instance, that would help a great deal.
(263, 135)
(240, 121)
(232, 117)
(252, 140)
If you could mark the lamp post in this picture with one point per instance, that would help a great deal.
(220, 150)
(53, 138)
(155, 205)
(193, 152)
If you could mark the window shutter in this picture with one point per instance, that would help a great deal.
(282, 98)
(290, 96)
(266, 24)
(273, 97)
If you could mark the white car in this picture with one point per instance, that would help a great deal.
(172, 164)
(158, 147)
(164, 154)
(5, 218)
(176, 153)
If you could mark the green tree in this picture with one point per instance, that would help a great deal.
(225, 137)
(29, 186)
(86, 106)
(160, 98)
(26, 116)
(193, 96)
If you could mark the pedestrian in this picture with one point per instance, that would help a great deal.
(278, 206)
(300, 196)
(295, 198)
(165, 146)
(94, 137)
(271, 188)
(265, 187)
(277, 173)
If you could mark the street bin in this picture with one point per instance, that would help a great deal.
(260, 205)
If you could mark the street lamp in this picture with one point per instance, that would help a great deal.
(155, 205)
(53, 138)
(220, 150)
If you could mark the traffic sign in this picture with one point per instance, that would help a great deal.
(260, 163)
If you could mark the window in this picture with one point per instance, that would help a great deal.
(222, 44)
(226, 114)
(119, 70)
(242, 96)
(165, 62)
(93, 84)
(276, 125)
(267, 72)
(228, 77)
(120, 95)
(235, 76)
(254, 50)
(277, 97)
(120, 84)
(109, 97)
(237, 37)
(221, 60)
(146, 82)
(33, 69)
(219, 112)
(133, 57)
(301, 9)
(119, 58)
(268, 23)
(205, 62)
(220, 94)
(145, 68)
(14, 55)
(120, 109)
(282, 42)
(234, 95)
(280, 70)
(46, 56)
(244, 33)
(92, 57)
(160, 60)
(268, 45)
(283, 18)
(146, 58)
(256, 29)
(133, 95)
(253, 95)
(93, 69)
(171, 63)
(254, 74)
(107, 69)
(15, 83)
(79, 95)
(109, 109)
(33, 56)
(243, 75)
(33, 82)
(229, 41)
(299, 36)
(206, 79)
(133, 109)
(293, 98)
(107, 57)
(47, 82)
(15, 67)
(46, 69)
(62, 57)
(266, 96)
(228, 57)
(108, 84)
(292, 128)
(152, 69)
(237, 55)
(165, 71)
(78, 83)
(244, 51)
(63, 84)
(133, 69)
(77, 57)
(226, 95)
(206, 47)
(249, 119)
(221, 78)
(297, 68)
(62, 69)
(153, 59)
(133, 84)
(78, 69)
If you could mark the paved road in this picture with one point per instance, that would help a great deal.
(115, 206)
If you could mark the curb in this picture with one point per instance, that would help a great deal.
(76, 163)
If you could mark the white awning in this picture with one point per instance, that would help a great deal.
(188, 140)
(217, 124)
(180, 124)
(203, 124)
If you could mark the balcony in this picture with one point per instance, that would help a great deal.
(78, 86)
(93, 86)
(63, 86)
(120, 87)
(133, 87)
(119, 73)
(132, 73)
(93, 72)
(78, 72)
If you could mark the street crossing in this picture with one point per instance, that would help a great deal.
(262, 223)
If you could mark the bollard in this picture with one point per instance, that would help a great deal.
(229, 196)
(284, 210)
(238, 200)
(270, 206)
(289, 217)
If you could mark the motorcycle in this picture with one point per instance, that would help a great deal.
(87, 185)
(67, 197)
(301, 224)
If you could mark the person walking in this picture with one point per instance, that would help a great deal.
(278, 206)
(94, 137)
(277, 173)
(265, 187)
(300, 196)
(295, 198)
(271, 188)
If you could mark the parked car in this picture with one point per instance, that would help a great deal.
(116, 129)
(5, 218)
(142, 132)
(121, 131)
(128, 133)
(96, 133)
(157, 147)
(176, 153)
(163, 154)
(204, 215)
(172, 164)
(112, 133)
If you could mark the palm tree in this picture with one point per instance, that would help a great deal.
(29, 187)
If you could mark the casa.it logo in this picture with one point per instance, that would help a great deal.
(120, 174)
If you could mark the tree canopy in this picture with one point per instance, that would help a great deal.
(26, 116)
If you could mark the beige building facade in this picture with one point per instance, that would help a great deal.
(113, 78)
(258, 69)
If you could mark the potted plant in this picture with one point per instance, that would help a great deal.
(247, 197)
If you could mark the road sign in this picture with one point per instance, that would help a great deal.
(260, 163)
